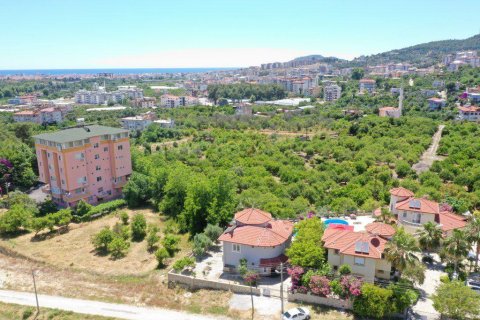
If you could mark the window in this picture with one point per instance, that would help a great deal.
(95, 145)
(98, 168)
(100, 190)
(404, 214)
(337, 251)
(99, 179)
(48, 154)
(79, 156)
(381, 271)
(417, 218)
(235, 247)
(82, 180)
(359, 261)
(105, 149)
(97, 156)
(120, 147)
(63, 181)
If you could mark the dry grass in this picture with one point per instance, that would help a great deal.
(74, 249)
(14, 312)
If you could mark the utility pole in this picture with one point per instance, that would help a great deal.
(35, 287)
(281, 285)
(251, 296)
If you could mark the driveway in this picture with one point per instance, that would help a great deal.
(430, 155)
(121, 311)
(424, 307)
(266, 306)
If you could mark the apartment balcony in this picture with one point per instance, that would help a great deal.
(71, 197)
(411, 224)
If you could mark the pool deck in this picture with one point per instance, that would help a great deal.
(358, 224)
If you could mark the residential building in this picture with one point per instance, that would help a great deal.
(436, 103)
(368, 85)
(100, 96)
(90, 163)
(412, 213)
(469, 113)
(145, 102)
(332, 92)
(171, 101)
(453, 62)
(139, 122)
(362, 251)
(165, 123)
(473, 94)
(40, 116)
(27, 99)
(258, 238)
(243, 110)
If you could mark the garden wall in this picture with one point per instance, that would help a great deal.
(312, 299)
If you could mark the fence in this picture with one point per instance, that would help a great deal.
(312, 299)
(194, 283)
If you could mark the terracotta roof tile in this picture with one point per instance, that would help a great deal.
(345, 241)
(450, 221)
(274, 234)
(425, 206)
(381, 229)
(253, 216)
(401, 192)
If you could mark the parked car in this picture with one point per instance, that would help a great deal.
(297, 314)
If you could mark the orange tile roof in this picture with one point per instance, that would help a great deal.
(426, 206)
(380, 229)
(345, 241)
(253, 216)
(450, 221)
(274, 234)
(469, 109)
(24, 113)
(401, 192)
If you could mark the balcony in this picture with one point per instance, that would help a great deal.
(411, 224)
(70, 197)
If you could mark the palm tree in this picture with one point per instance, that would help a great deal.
(385, 216)
(456, 247)
(401, 250)
(473, 233)
(430, 237)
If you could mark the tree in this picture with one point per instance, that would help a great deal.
(357, 73)
(161, 255)
(124, 217)
(430, 237)
(455, 248)
(456, 301)
(16, 218)
(213, 232)
(473, 233)
(385, 215)
(400, 251)
(102, 239)
(197, 202)
(201, 242)
(138, 227)
(82, 208)
(137, 190)
(374, 302)
(307, 250)
(152, 237)
(118, 247)
(170, 242)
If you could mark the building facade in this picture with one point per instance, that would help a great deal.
(469, 113)
(100, 96)
(332, 92)
(367, 85)
(90, 163)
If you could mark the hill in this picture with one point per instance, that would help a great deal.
(424, 54)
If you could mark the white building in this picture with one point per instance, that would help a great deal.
(171, 101)
(332, 92)
(469, 113)
(367, 85)
(40, 116)
(100, 96)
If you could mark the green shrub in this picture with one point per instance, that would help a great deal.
(102, 239)
(374, 302)
(201, 243)
(243, 267)
(171, 226)
(118, 247)
(345, 269)
(161, 254)
(152, 237)
(122, 231)
(213, 232)
(16, 218)
(139, 227)
(102, 209)
(170, 242)
(82, 208)
(182, 263)
(124, 217)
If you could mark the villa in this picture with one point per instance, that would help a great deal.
(412, 213)
(258, 238)
(362, 251)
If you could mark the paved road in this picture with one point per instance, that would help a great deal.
(121, 311)
(430, 155)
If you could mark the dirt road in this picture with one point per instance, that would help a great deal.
(430, 155)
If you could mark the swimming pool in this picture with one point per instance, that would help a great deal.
(335, 221)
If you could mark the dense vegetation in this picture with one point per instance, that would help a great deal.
(249, 91)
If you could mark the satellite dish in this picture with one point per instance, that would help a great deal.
(375, 242)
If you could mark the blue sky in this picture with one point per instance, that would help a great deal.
(218, 33)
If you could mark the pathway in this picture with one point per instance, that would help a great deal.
(430, 155)
(121, 311)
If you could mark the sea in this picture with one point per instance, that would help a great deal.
(122, 71)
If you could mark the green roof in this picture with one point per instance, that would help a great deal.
(78, 133)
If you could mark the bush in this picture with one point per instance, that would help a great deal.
(16, 218)
(213, 232)
(374, 302)
(251, 278)
(171, 226)
(403, 297)
(183, 263)
(243, 267)
(345, 269)
(124, 217)
(319, 285)
(102, 239)
(152, 238)
(201, 243)
(83, 208)
(102, 209)
(122, 231)
(456, 301)
(161, 254)
(444, 278)
(118, 247)
(170, 242)
(139, 227)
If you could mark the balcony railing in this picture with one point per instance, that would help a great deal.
(69, 197)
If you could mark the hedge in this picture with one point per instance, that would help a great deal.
(102, 209)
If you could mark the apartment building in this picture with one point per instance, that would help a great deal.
(469, 113)
(40, 116)
(100, 96)
(332, 92)
(436, 103)
(27, 99)
(368, 85)
(145, 102)
(90, 163)
(171, 101)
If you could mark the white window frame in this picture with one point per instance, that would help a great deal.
(357, 259)
(236, 247)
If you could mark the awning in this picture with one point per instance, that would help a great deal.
(273, 262)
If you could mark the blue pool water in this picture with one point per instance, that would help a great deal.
(335, 221)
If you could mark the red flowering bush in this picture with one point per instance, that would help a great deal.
(295, 274)
(320, 285)
(251, 278)
(351, 286)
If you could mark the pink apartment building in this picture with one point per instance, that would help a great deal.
(91, 162)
